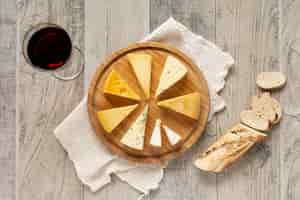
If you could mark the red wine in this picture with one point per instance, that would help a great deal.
(49, 48)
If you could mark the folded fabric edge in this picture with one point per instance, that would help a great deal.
(95, 185)
(226, 57)
(144, 191)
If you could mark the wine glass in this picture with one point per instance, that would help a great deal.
(48, 47)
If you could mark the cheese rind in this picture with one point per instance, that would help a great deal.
(111, 118)
(173, 137)
(156, 135)
(188, 105)
(141, 65)
(134, 137)
(174, 70)
(116, 85)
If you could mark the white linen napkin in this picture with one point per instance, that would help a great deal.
(93, 162)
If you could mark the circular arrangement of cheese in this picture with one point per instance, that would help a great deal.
(148, 104)
(173, 71)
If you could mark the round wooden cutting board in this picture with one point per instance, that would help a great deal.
(189, 129)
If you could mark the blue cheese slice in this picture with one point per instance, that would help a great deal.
(173, 137)
(134, 137)
(156, 135)
(174, 70)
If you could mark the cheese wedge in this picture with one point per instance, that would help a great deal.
(173, 137)
(115, 85)
(174, 70)
(134, 137)
(188, 105)
(111, 118)
(141, 65)
(156, 135)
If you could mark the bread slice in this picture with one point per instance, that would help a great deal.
(278, 110)
(253, 120)
(270, 80)
(267, 107)
(229, 148)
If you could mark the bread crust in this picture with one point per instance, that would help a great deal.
(271, 80)
(229, 148)
(267, 107)
(254, 120)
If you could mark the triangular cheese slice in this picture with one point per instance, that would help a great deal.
(173, 137)
(174, 70)
(188, 105)
(156, 135)
(115, 85)
(141, 65)
(134, 137)
(111, 118)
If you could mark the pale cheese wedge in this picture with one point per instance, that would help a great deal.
(134, 137)
(156, 135)
(188, 105)
(173, 137)
(141, 65)
(111, 118)
(116, 85)
(174, 70)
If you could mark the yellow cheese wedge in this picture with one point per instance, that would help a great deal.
(115, 85)
(141, 65)
(188, 105)
(174, 70)
(111, 118)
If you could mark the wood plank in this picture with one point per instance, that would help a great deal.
(249, 31)
(95, 42)
(289, 97)
(44, 170)
(8, 97)
(182, 180)
(110, 25)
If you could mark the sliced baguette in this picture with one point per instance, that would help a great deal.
(229, 148)
(267, 107)
(278, 110)
(270, 80)
(253, 120)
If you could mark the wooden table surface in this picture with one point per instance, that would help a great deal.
(261, 35)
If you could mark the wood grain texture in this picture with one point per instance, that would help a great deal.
(289, 97)
(7, 99)
(189, 129)
(261, 35)
(182, 180)
(249, 31)
(44, 170)
(119, 23)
